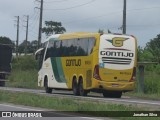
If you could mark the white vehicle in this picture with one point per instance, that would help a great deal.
(85, 62)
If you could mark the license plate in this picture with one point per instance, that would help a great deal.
(115, 85)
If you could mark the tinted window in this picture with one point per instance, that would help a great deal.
(70, 47)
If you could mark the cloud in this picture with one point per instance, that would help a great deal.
(142, 16)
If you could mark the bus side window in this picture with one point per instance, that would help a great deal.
(91, 44)
(39, 57)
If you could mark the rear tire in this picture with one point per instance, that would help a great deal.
(112, 94)
(75, 87)
(81, 89)
(47, 89)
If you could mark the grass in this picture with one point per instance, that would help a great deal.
(143, 95)
(23, 79)
(66, 104)
(151, 86)
(25, 74)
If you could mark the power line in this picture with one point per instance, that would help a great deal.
(138, 9)
(34, 14)
(73, 6)
(34, 21)
(94, 17)
(104, 15)
(55, 1)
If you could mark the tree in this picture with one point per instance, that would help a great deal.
(53, 27)
(100, 31)
(6, 40)
(21, 48)
(31, 46)
(154, 47)
(144, 54)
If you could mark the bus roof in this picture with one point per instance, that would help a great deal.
(78, 35)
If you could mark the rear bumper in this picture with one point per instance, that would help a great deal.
(113, 86)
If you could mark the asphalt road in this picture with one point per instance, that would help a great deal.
(154, 104)
(27, 109)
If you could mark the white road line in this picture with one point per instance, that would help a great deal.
(90, 118)
(30, 109)
(129, 101)
(20, 107)
(134, 101)
(92, 98)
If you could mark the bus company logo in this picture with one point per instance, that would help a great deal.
(117, 41)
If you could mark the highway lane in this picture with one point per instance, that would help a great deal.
(57, 115)
(91, 97)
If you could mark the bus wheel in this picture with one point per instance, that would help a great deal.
(47, 89)
(112, 94)
(118, 95)
(75, 87)
(81, 89)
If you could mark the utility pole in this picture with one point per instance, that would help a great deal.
(26, 33)
(40, 23)
(124, 18)
(17, 40)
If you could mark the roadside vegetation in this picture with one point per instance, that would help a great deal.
(152, 71)
(70, 105)
(151, 84)
(24, 72)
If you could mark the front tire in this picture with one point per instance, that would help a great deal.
(47, 89)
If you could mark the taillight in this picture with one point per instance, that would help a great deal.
(133, 78)
(96, 72)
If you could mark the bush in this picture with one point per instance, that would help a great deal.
(24, 72)
(24, 63)
(157, 69)
(151, 82)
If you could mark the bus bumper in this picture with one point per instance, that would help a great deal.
(114, 86)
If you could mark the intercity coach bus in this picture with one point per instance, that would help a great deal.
(84, 62)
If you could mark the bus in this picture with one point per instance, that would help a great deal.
(84, 62)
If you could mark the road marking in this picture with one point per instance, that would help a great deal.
(149, 102)
(90, 118)
(129, 101)
(20, 107)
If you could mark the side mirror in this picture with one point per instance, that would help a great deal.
(37, 53)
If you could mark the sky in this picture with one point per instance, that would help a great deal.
(143, 18)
